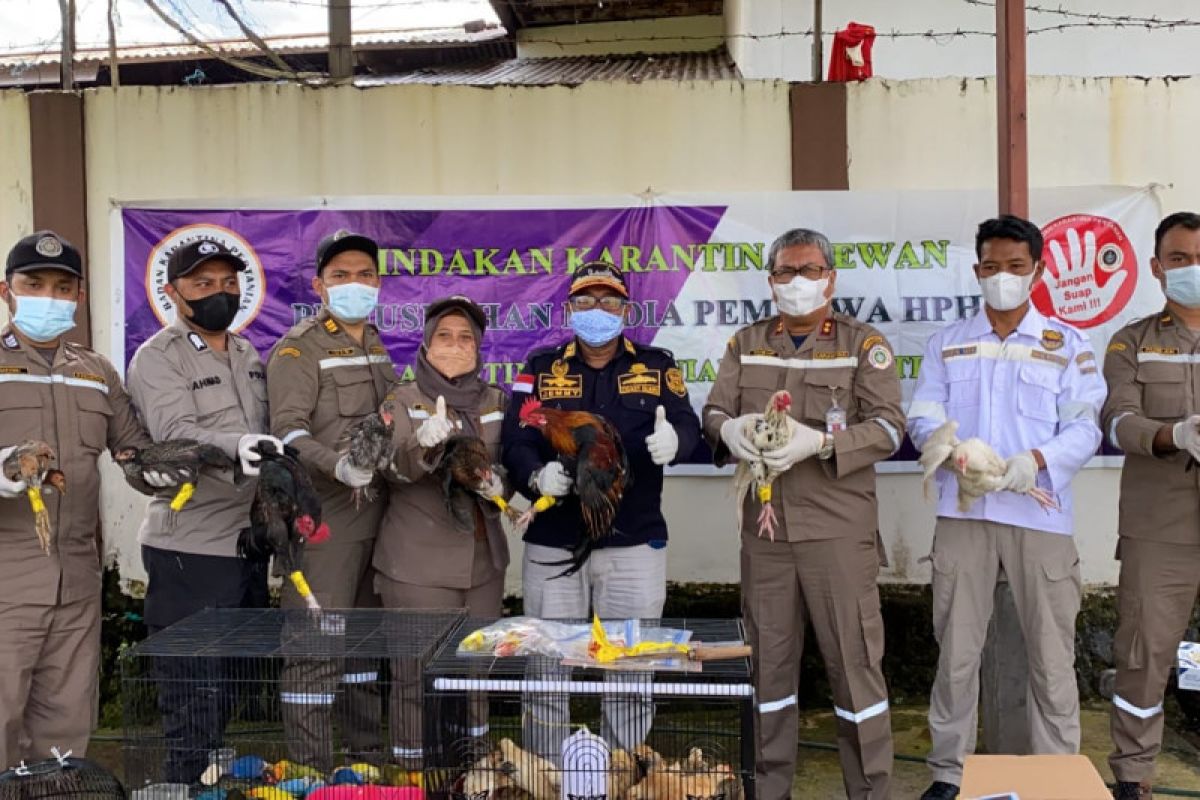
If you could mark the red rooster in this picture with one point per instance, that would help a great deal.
(590, 447)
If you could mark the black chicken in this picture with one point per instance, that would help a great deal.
(465, 470)
(285, 514)
(368, 443)
(182, 458)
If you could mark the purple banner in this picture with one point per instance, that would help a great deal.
(516, 263)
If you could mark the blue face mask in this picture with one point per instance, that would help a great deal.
(1183, 285)
(44, 319)
(353, 302)
(596, 326)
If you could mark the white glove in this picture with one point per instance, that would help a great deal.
(250, 457)
(437, 428)
(663, 444)
(352, 476)
(158, 479)
(553, 480)
(733, 434)
(493, 487)
(805, 442)
(1186, 436)
(10, 489)
(1020, 473)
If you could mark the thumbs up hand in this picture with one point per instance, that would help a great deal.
(437, 428)
(663, 444)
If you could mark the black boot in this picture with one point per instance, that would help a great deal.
(940, 790)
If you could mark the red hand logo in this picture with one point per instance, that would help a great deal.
(1091, 270)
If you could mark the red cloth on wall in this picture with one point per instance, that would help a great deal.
(851, 56)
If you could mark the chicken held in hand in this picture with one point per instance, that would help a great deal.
(369, 447)
(465, 470)
(182, 458)
(284, 516)
(977, 468)
(591, 448)
(768, 432)
(29, 463)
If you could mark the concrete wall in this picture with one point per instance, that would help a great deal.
(16, 181)
(1081, 50)
(258, 141)
(665, 35)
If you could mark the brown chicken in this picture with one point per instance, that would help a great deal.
(590, 448)
(30, 462)
(465, 471)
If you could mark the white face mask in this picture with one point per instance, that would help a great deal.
(1005, 291)
(801, 296)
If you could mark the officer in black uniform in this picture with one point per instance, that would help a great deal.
(640, 390)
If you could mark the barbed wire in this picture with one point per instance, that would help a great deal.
(1101, 20)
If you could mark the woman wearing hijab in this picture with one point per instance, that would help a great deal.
(429, 555)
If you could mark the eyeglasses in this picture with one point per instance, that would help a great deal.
(586, 302)
(812, 272)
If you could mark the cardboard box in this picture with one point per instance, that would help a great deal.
(1033, 778)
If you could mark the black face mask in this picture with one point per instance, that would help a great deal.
(215, 312)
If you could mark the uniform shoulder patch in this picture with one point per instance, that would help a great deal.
(10, 341)
(1052, 339)
(1116, 347)
(197, 342)
(871, 341)
(675, 381)
(288, 352)
(880, 356)
(330, 325)
(827, 330)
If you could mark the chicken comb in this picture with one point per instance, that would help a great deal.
(530, 405)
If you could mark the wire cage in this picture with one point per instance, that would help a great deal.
(298, 702)
(62, 777)
(530, 727)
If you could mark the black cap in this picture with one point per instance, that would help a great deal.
(342, 241)
(187, 257)
(455, 302)
(598, 273)
(43, 250)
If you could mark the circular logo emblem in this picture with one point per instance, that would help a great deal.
(208, 248)
(253, 281)
(49, 247)
(1091, 270)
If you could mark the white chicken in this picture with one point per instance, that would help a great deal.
(768, 432)
(977, 468)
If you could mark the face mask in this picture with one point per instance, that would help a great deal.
(596, 326)
(1005, 291)
(801, 296)
(1183, 285)
(215, 312)
(44, 319)
(453, 362)
(353, 302)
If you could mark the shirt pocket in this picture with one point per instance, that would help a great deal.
(355, 390)
(821, 387)
(22, 413)
(1163, 395)
(213, 403)
(1037, 392)
(962, 383)
(756, 384)
(95, 411)
(637, 414)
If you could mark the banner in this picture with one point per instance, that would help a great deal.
(696, 264)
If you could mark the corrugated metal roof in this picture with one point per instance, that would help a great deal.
(713, 65)
(284, 45)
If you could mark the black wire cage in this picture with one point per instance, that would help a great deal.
(61, 777)
(531, 727)
(261, 700)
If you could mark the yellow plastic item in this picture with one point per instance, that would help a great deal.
(544, 502)
(764, 494)
(500, 502)
(368, 772)
(35, 500)
(182, 496)
(606, 652)
(473, 642)
(301, 585)
(269, 793)
(287, 770)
